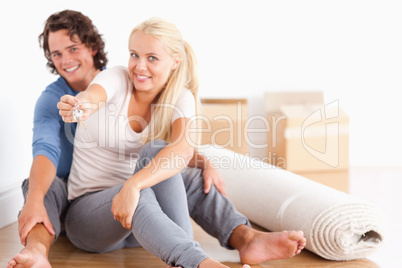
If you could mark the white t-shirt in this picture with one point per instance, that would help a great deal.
(105, 154)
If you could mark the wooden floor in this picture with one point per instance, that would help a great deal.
(378, 185)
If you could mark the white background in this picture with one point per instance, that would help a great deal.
(351, 50)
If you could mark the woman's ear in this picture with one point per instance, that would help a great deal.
(176, 61)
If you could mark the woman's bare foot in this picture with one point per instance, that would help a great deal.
(256, 247)
(30, 257)
(210, 263)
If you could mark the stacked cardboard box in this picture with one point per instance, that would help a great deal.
(222, 123)
(308, 137)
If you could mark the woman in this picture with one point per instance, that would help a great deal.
(153, 100)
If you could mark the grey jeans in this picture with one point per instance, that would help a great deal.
(160, 224)
(55, 201)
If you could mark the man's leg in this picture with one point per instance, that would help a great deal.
(36, 251)
(217, 216)
(39, 240)
(213, 211)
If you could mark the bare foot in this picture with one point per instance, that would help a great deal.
(259, 246)
(30, 258)
(272, 246)
(210, 263)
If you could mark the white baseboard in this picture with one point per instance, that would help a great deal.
(11, 201)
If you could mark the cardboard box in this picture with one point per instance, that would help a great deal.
(222, 123)
(305, 135)
(338, 180)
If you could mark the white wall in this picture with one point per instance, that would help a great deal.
(352, 50)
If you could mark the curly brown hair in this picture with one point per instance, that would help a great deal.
(77, 24)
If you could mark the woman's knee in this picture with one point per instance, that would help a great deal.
(150, 150)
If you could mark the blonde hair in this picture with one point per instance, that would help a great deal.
(184, 76)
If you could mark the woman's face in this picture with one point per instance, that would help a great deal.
(150, 63)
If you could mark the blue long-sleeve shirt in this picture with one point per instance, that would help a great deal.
(52, 137)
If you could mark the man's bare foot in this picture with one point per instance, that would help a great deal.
(30, 258)
(256, 247)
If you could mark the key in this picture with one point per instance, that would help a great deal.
(77, 116)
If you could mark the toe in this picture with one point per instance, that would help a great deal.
(12, 263)
(296, 235)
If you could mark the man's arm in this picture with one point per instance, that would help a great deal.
(210, 173)
(41, 177)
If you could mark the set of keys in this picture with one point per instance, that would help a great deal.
(78, 116)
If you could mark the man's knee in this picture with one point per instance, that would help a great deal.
(193, 178)
(25, 187)
(57, 190)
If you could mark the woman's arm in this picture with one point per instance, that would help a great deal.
(171, 160)
(168, 162)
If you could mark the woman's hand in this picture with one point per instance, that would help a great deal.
(125, 203)
(68, 104)
(211, 176)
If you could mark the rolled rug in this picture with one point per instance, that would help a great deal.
(337, 226)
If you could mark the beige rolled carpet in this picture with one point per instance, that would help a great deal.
(337, 226)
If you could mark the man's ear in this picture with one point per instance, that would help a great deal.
(94, 51)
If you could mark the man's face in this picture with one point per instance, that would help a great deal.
(72, 59)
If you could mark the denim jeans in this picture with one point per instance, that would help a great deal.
(161, 222)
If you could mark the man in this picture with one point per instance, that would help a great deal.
(75, 51)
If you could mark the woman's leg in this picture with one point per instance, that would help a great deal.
(171, 193)
(90, 226)
(162, 237)
(167, 231)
